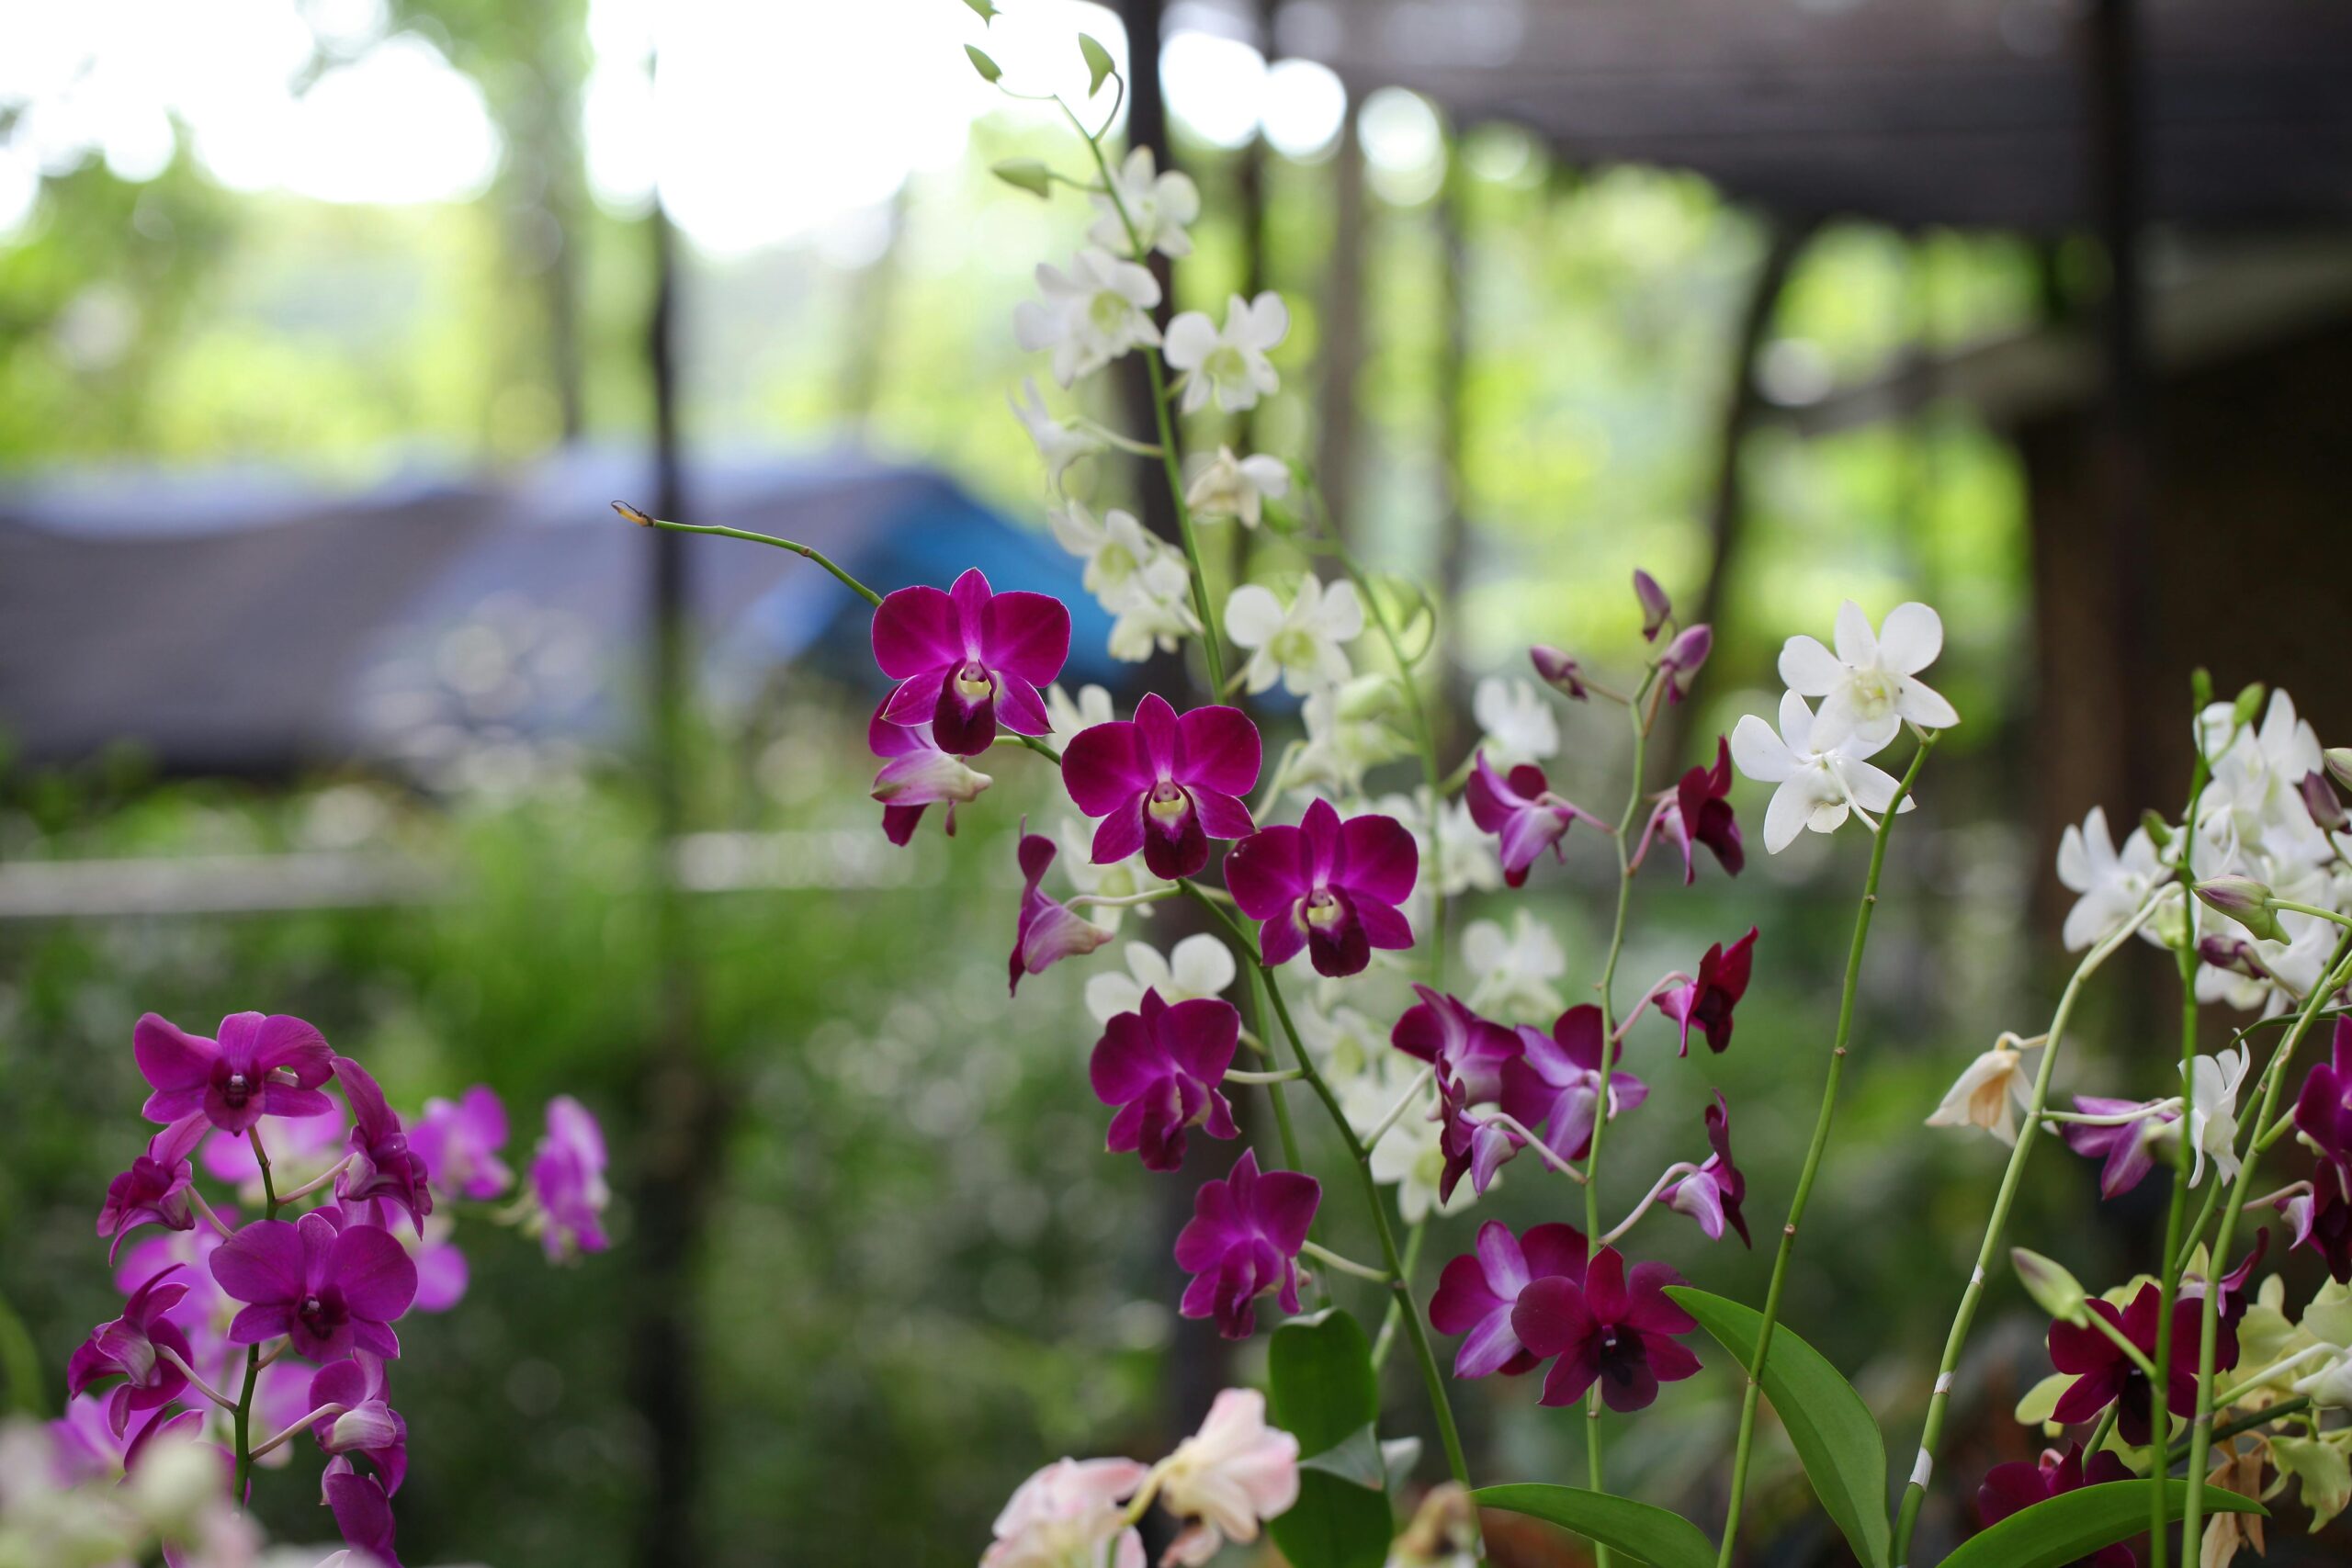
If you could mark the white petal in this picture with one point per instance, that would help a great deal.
(1267, 321)
(1252, 617)
(1034, 326)
(1203, 965)
(1343, 614)
(1856, 644)
(1924, 706)
(1872, 786)
(1191, 338)
(1827, 816)
(2085, 922)
(1808, 668)
(1911, 639)
(1761, 754)
(2074, 859)
(1075, 529)
(1110, 993)
(1834, 725)
(1784, 818)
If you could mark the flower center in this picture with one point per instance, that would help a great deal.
(1294, 645)
(1108, 312)
(972, 680)
(1168, 802)
(1620, 1353)
(1115, 563)
(1873, 693)
(321, 1311)
(1223, 364)
(236, 1088)
(1323, 910)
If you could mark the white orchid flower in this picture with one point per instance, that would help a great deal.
(1229, 362)
(1160, 206)
(1519, 724)
(1868, 686)
(2112, 885)
(1200, 965)
(1818, 787)
(1300, 644)
(1058, 442)
(1090, 315)
(1238, 488)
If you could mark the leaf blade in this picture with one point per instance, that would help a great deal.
(1324, 1392)
(1645, 1533)
(2059, 1530)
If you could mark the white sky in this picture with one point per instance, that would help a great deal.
(769, 121)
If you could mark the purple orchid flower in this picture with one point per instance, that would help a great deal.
(154, 1190)
(916, 774)
(2322, 1219)
(363, 1514)
(1242, 1241)
(1608, 1328)
(568, 1190)
(1049, 930)
(131, 1347)
(2124, 1145)
(330, 1286)
(1477, 1292)
(1552, 1086)
(2014, 1487)
(2324, 1109)
(1470, 1146)
(260, 1066)
(1443, 1031)
(1682, 659)
(1161, 1066)
(1713, 1193)
(1522, 810)
(1708, 1000)
(86, 1448)
(1164, 785)
(2104, 1375)
(458, 1143)
(383, 1167)
(1329, 886)
(1698, 811)
(366, 1424)
(969, 658)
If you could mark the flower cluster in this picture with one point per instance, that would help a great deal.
(266, 1313)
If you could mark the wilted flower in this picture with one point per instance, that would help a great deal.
(329, 1285)
(1242, 1241)
(1158, 205)
(1227, 486)
(153, 1192)
(1090, 315)
(1522, 812)
(1059, 443)
(2012, 1488)
(1297, 644)
(458, 1142)
(1200, 965)
(2113, 887)
(1477, 1292)
(2125, 1145)
(1698, 811)
(1610, 1328)
(1819, 783)
(366, 1425)
(1711, 1194)
(1162, 1065)
(133, 1348)
(1069, 1515)
(1552, 1084)
(381, 1166)
(1708, 1000)
(568, 1187)
(1229, 362)
(1165, 784)
(1047, 931)
(1228, 1475)
(1517, 722)
(1329, 886)
(260, 1066)
(1869, 686)
(969, 658)
(1987, 1094)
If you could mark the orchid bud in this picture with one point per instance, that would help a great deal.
(367, 1425)
(2245, 900)
(2248, 706)
(2233, 954)
(2053, 1290)
(989, 69)
(2201, 687)
(1026, 174)
(1368, 697)
(2319, 799)
(2339, 763)
(1683, 657)
(2159, 831)
(1556, 670)
(1657, 608)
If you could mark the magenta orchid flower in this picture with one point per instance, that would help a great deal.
(1713, 1193)
(2322, 1218)
(2124, 1145)
(1445, 1033)
(133, 1348)
(1242, 1241)
(86, 1447)
(329, 1286)
(1164, 785)
(363, 1514)
(1469, 1146)
(458, 1142)
(2014, 1487)
(1708, 1000)
(154, 1190)
(1608, 1328)
(1049, 930)
(2105, 1375)
(567, 1191)
(1552, 1084)
(259, 1065)
(381, 1167)
(1477, 1292)
(1161, 1066)
(366, 1425)
(1522, 810)
(1332, 887)
(2324, 1109)
(916, 774)
(969, 658)
(1696, 812)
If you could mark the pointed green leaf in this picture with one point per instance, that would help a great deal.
(2076, 1524)
(1837, 1442)
(1354, 1458)
(989, 69)
(1640, 1531)
(1098, 62)
(985, 11)
(1325, 1393)
(1026, 174)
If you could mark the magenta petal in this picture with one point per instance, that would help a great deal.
(971, 594)
(1383, 927)
(1286, 1203)
(1222, 750)
(442, 1276)
(1382, 860)
(1122, 1067)
(1222, 816)
(1026, 635)
(917, 698)
(378, 1277)
(1324, 856)
(1156, 732)
(1202, 1034)
(263, 1262)
(1279, 939)
(288, 1043)
(914, 631)
(1019, 707)
(169, 1057)
(1549, 1316)
(1106, 767)
(1463, 1299)
(1266, 874)
(263, 1320)
(1119, 836)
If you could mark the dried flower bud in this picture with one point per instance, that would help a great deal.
(1657, 608)
(2053, 1290)
(2245, 900)
(1557, 669)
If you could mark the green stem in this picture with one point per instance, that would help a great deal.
(2262, 1417)
(243, 1417)
(2099, 1432)
(2201, 1431)
(1916, 1492)
(1415, 1235)
(1813, 1151)
(804, 551)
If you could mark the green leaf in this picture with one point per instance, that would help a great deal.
(1640, 1531)
(1325, 1393)
(982, 9)
(2076, 1524)
(1026, 174)
(1098, 62)
(1838, 1444)
(989, 69)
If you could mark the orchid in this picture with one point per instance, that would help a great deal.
(1068, 714)
(1514, 970)
(1162, 1065)
(1225, 1478)
(1127, 567)
(1522, 812)
(1047, 931)
(1552, 1084)
(154, 1190)
(458, 1143)
(1091, 314)
(1517, 723)
(917, 774)
(567, 1175)
(1410, 1153)
(969, 657)
(1819, 781)
(1165, 784)
(1657, 608)
(381, 1166)
(1243, 1241)
(1869, 686)
(1459, 1046)
(1712, 1193)
(138, 1347)
(260, 1066)
(1344, 737)
(1476, 1293)
(330, 1284)
(2212, 1111)
(366, 1424)
(1238, 488)
(362, 1512)
(1987, 1094)
(2016, 1486)
(1200, 965)
(1709, 999)
(1228, 363)
(1059, 442)
(2105, 1375)
(2112, 885)
(1698, 811)
(1103, 884)
(1069, 1515)
(1329, 886)
(1611, 1328)
(1682, 659)
(1298, 643)
(2124, 1142)
(1158, 206)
